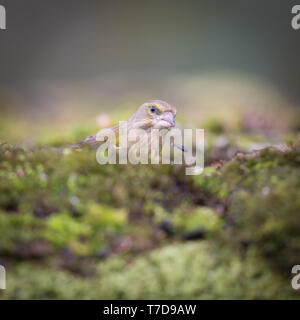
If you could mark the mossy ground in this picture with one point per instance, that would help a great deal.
(72, 229)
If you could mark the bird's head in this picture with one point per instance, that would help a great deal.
(156, 114)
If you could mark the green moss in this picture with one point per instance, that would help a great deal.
(264, 204)
(201, 218)
(62, 229)
(66, 199)
(16, 228)
(190, 271)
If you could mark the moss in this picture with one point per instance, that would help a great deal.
(64, 200)
(264, 204)
(200, 218)
(190, 271)
(16, 228)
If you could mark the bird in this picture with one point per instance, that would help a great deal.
(153, 114)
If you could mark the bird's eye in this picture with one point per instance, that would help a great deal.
(152, 109)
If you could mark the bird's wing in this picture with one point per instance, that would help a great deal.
(91, 141)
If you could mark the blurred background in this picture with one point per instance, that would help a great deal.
(69, 68)
(64, 60)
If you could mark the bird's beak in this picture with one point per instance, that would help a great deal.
(167, 120)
